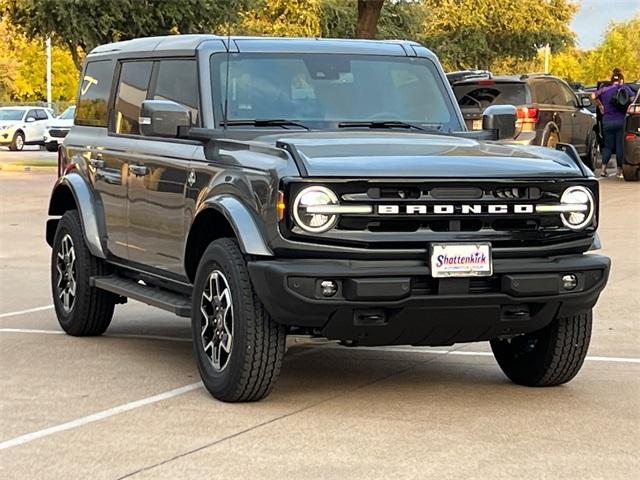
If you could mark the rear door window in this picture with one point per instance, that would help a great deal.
(177, 81)
(132, 91)
(95, 88)
(548, 91)
(482, 96)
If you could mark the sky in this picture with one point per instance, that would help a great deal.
(594, 16)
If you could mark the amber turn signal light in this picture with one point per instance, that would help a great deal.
(281, 206)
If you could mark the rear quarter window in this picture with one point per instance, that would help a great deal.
(93, 98)
(483, 96)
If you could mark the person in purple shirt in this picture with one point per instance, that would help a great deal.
(612, 120)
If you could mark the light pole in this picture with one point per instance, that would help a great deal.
(48, 48)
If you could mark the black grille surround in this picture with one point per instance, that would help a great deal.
(506, 231)
(58, 132)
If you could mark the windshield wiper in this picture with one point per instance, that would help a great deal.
(389, 124)
(268, 122)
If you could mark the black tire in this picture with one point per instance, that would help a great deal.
(548, 357)
(51, 147)
(591, 158)
(91, 309)
(257, 343)
(17, 143)
(631, 173)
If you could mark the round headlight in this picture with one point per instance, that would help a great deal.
(580, 199)
(314, 197)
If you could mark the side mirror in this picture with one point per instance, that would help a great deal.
(30, 119)
(500, 120)
(163, 118)
(585, 102)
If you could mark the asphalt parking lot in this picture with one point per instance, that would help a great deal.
(129, 404)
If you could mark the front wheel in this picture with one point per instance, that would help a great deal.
(51, 147)
(238, 347)
(548, 357)
(17, 144)
(591, 158)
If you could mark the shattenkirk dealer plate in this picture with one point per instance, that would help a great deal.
(461, 260)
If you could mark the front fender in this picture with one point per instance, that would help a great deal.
(247, 232)
(85, 203)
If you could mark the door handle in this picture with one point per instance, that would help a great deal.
(138, 170)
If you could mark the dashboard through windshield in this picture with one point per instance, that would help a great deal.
(324, 90)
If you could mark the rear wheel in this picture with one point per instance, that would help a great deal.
(82, 310)
(591, 158)
(631, 173)
(548, 357)
(237, 345)
(552, 140)
(17, 143)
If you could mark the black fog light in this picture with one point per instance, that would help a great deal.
(328, 288)
(569, 281)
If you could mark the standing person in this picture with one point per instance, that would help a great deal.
(612, 105)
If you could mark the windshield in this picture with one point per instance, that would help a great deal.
(68, 113)
(323, 90)
(11, 114)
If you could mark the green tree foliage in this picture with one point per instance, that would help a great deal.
(82, 25)
(477, 33)
(398, 19)
(282, 18)
(620, 48)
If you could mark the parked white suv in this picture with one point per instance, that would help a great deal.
(58, 129)
(20, 126)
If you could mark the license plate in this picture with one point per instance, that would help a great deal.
(461, 260)
(477, 124)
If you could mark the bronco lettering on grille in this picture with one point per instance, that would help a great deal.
(448, 209)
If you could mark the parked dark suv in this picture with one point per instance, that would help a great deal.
(260, 191)
(549, 112)
(631, 167)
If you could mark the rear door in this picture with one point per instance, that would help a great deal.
(553, 107)
(474, 97)
(582, 120)
(157, 167)
(107, 170)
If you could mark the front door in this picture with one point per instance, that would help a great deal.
(158, 178)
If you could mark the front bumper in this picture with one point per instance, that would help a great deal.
(398, 302)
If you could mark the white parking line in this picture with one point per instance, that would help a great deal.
(22, 312)
(110, 412)
(592, 358)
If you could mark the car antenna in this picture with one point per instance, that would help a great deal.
(225, 109)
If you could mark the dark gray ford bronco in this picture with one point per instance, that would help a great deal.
(321, 187)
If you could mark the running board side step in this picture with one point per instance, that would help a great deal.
(157, 297)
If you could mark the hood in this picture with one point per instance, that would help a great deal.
(59, 123)
(396, 154)
(9, 123)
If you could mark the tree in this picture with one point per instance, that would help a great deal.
(477, 33)
(23, 68)
(81, 25)
(283, 18)
(368, 16)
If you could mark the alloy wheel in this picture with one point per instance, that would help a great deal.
(66, 266)
(216, 320)
(19, 142)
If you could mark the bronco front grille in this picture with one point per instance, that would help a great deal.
(410, 214)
